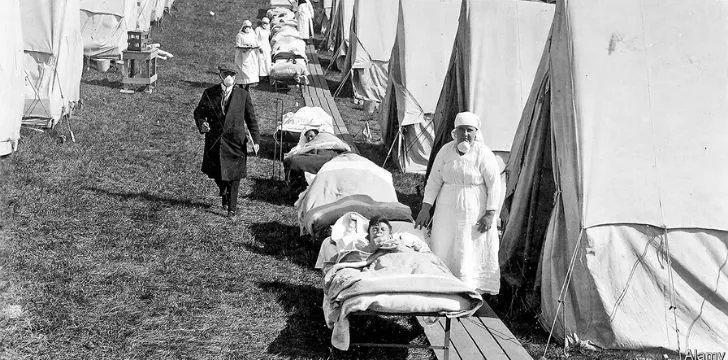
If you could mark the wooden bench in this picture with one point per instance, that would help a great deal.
(317, 93)
(481, 336)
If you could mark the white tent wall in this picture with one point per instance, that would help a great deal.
(416, 73)
(11, 76)
(638, 146)
(372, 34)
(158, 10)
(104, 26)
(144, 14)
(337, 34)
(168, 4)
(53, 59)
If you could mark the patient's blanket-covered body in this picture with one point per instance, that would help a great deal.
(399, 277)
(345, 175)
(309, 157)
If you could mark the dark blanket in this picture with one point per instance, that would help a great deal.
(311, 162)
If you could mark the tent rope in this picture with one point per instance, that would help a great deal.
(672, 308)
(394, 142)
(562, 293)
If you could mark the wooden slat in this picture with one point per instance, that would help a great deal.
(317, 94)
(486, 346)
(481, 336)
(436, 335)
(498, 330)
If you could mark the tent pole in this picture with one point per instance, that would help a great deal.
(341, 85)
(394, 142)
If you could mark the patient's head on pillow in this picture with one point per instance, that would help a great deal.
(310, 134)
(380, 230)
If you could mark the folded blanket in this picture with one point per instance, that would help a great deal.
(307, 117)
(391, 272)
(280, 3)
(326, 215)
(289, 70)
(289, 45)
(322, 141)
(282, 31)
(280, 12)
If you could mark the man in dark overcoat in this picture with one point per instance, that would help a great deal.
(226, 116)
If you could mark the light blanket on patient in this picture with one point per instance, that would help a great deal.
(425, 283)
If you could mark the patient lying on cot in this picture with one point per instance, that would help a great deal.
(379, 237)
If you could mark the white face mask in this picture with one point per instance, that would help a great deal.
(228, 81)
(464, 146)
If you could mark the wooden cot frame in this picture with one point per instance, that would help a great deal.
(446, 343)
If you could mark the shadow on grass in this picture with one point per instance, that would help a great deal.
(306, 335)
(114, 84)
(147, 196)
(198, 84)
(271, 191)
(265, 85)
(278, 239)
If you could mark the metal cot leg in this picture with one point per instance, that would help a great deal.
(447, 339)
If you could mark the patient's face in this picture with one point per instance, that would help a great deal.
(379, 233)
(310, 135)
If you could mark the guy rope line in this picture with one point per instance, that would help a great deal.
(562, 293)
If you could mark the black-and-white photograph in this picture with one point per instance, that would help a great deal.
(364, 179)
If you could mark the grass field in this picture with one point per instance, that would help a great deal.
(116, 247)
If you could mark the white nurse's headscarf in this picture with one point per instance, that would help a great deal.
(468, 118)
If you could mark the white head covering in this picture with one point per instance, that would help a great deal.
(468, 118)
(246, 23)
(265, 20)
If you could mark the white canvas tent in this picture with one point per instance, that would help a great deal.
(11, 76)
(416, 73)
(144, 14)
(373, 29)
(53, 59)
(494, 59)
(104, 26)
(168, 4)
(336, 38)
(158, 9)
(629, 110)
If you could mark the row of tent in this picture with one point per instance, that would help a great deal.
(608, 117)
(43, 46)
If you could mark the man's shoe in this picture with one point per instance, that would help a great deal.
(231, 215)
(225, 201)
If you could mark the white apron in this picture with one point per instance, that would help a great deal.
(305, 20)
(472, 256)
(264, 59)
(247, 61)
